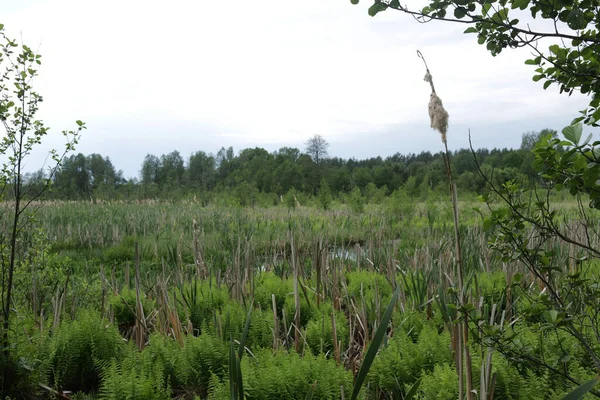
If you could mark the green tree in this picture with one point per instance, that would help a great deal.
(19, 105)
(201, 171)
(361, 177)
(172, 168)
(532, 233)
(324, 196)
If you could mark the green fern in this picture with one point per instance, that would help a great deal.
(77, 350)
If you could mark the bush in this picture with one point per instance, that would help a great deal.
(306, 310)
(199, 359)
(124, 307)
(77, 350)
(361, 285)
(289, 376)
(400, 364)
(319, 330)
(268, 284)
(137, 377)
(356, 201)
(124, 251)
(230, 321)
(200, 302)
(441, 383)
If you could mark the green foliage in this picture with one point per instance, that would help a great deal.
(269, 284)
(560, 332)
(319, 330)
(124, 306)
(22, 133)
(124, 251)
(307, 310)
(356, 201)
(401, 205)
(229, 323)
(256, 178)
(199, 358)
(79, 348)
(401, 363)
(201, 301)
(290, 199)
(283, 375)
(136, 377)
(324, 197)
(441, 383)
(370, 289)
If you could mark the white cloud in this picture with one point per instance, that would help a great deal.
(269, 73)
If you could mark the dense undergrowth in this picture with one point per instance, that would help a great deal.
(87, 339)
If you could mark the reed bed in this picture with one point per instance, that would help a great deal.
(313, 283)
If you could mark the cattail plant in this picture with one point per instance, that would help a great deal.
(439, 121)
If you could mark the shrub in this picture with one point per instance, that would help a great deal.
(319, 330)
(200, 358)
(289, 376)
(269, 284)
(401, 363)
(124, 251)
(230, 321)
(441, 383)
(361, 285)
(137, 377)
(200, 302)
(124, 307)
(306, 310)
(77, 350)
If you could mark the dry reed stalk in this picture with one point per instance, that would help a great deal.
(249, 276)
(439, 121)
(140, 321)
(296, 295)
(336, 347)
(285, 327)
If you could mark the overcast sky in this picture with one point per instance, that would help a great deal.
(156, 76)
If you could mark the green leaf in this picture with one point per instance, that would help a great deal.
(245, 333)
(573, 133)
(354, 1)
(311, 391)
(395, 3)
(471, 29)
(546, 84)
(530, 62)
(376, 8)
(374, 346)
(582, 390)
(537, 77)
(596, 115)
(576, 19)
(413, 390)
(460, 12)
(79, 122)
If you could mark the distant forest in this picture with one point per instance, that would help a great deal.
(254, 175)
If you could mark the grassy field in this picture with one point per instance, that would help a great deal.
(143, 300)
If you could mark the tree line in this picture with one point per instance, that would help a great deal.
(254, 171)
